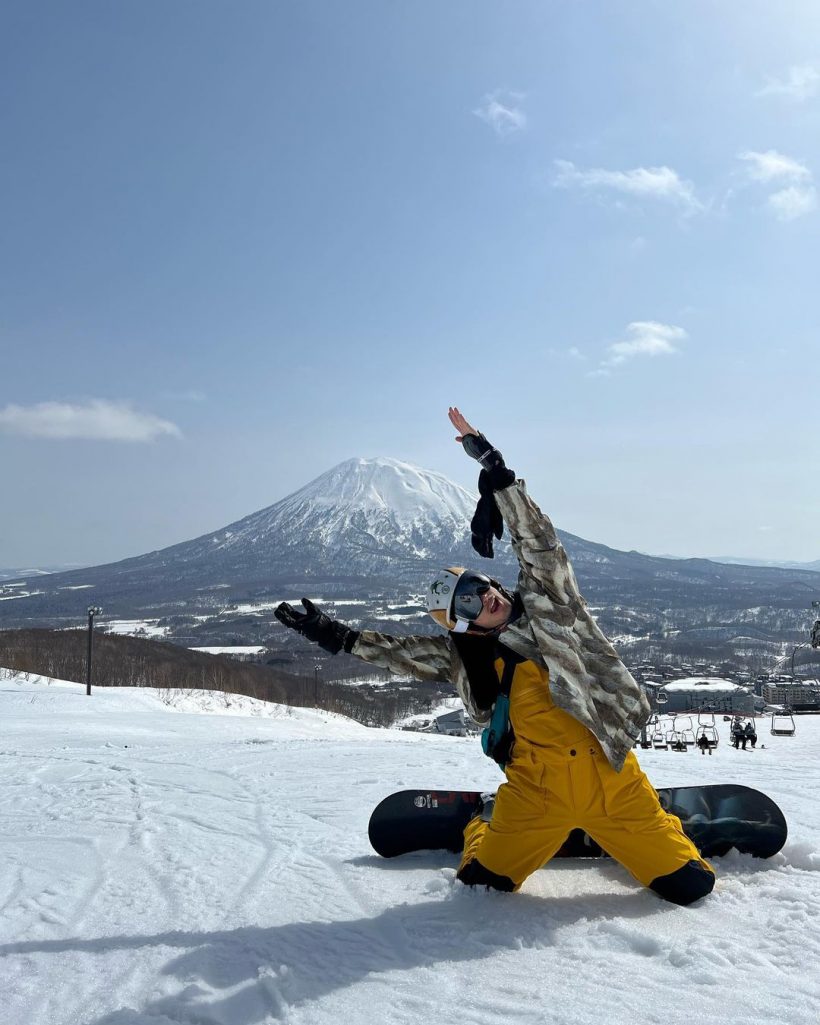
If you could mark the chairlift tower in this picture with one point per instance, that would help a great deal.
(814, 636)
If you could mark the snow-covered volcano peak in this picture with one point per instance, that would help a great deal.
(358, 516)
(372, 486)
(382, 519)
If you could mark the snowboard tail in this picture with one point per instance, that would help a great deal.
(717, 818)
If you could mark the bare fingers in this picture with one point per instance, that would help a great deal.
(460, 422)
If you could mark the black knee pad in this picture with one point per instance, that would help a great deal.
(685, 885)
(474, 874)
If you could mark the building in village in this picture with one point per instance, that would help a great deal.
(707, 693)
(798, 695)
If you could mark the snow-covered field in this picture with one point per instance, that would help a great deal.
(164, 862)
(235, 650)
(135, 627)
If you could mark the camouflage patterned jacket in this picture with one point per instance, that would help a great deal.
(586, 677)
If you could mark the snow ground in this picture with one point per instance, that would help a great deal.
(236, 649)
(134, 627)
(168, 863)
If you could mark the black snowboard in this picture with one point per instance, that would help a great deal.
(717, 818)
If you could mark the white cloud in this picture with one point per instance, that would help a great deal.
(96, 419)
(797, 197)
(501, 112)
(771, 166)
(653, 182)
(793, 202)
(645, 338)
(801, 82)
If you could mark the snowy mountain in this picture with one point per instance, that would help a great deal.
(735, 561)
(364, 511)
(366, 523)
(371, 527)
(17, 574)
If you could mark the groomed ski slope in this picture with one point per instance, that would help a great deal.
(207, 862)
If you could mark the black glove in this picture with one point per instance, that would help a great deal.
(317, 627)
(485, 524)
(487, 521)
(497, 476)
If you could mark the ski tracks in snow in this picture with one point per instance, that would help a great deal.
(218, 873)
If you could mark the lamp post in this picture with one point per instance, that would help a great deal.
(316, 669)
(93, 610)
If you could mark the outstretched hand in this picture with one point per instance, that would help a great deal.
(461, 424)
(316, 626)
(288, 616)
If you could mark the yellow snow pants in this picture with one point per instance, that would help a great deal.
(559, 779)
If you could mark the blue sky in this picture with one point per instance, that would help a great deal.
(243, 242)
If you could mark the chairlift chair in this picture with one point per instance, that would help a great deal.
(676, 741)
(648, 731)
(683, 725)
(737, 732)
(783, 724)
(711, 734)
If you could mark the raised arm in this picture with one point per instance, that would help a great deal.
(487, 522)
(541, 556)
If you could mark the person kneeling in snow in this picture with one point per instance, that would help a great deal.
(572, 708)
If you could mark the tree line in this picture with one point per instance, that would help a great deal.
(121, 661)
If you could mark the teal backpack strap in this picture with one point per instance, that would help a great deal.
(497, 738)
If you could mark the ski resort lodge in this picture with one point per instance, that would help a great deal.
(708, 692)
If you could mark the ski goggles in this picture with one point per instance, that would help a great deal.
(467, 595)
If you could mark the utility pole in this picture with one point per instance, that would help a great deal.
(93, 610)
(316, 669)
